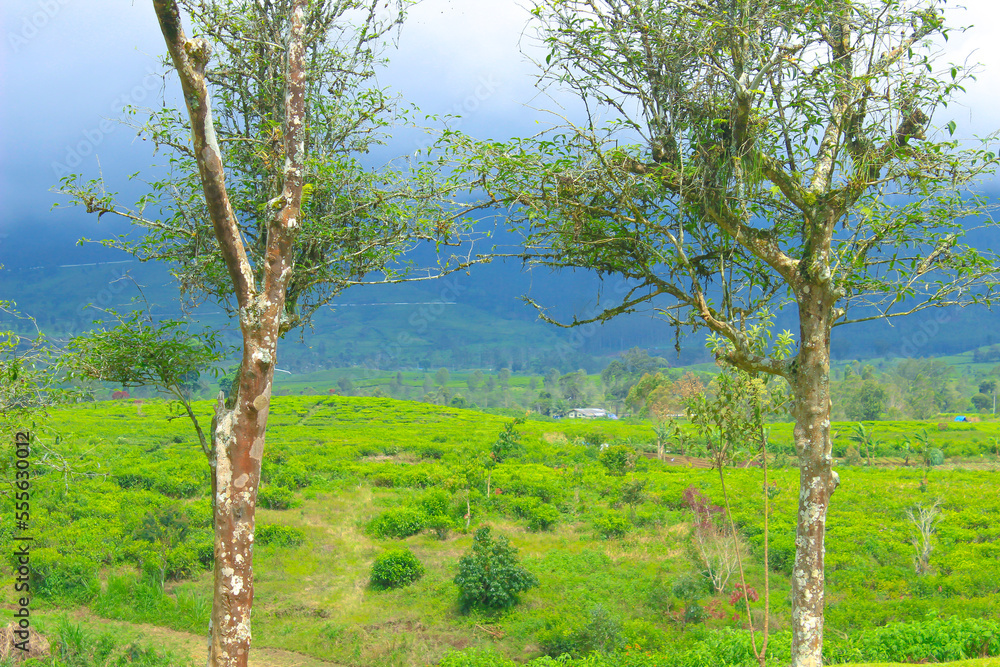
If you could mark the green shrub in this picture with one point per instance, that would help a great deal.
(280, 536)
(435, 502)
(275, 498)
(487, 657)
(781, 552)
(133, 481)
(933, 640)
(182, 562)
(691, 588)
(521, 507)
(543, 517)
(397, 523)
(644, 635)
(204, 548)
(291, 474)
(441, 524)
(490, 575)
(395, 568)
(612, 525)
(618, 459)
(599, 634)
(63, 577)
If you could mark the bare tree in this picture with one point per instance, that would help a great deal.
(924, 520)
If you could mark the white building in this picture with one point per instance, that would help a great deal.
(590, 413)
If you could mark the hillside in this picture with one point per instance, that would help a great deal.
(463, 321)
(608, 537)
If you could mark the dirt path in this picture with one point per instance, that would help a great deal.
(195, 646)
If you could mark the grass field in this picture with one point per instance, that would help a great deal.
(122, 474)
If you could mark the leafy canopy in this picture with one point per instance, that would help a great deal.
(490, 575)
(358, 221)
(738, 155)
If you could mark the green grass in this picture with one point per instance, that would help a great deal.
(348, 459)
(979, 662)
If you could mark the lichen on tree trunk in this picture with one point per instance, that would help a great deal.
(811, 411)
(238, 446)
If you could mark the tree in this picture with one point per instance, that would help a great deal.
(29, 381)
(863, 438)
(758, 153)
(506, 446)
(574, 386)
(649, 385)
(475, 380)
(491, 575)
(868, 402)
(140, 352)
(267, 209)
(346, 385)
(982, 402)
(508, 442)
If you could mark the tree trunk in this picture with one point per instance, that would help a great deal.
(238, 432)
(811, 411)
(238, 447)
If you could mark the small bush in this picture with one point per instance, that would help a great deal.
(618, 459)
(181, 562)
(490, 575)
(436, 502)
(397, 523)
(476, 657)
(599, 634)
(275, 498)
(932, 640)
(691, 588)
(441, 525)
(612, 525)
(290, 474)
(281, 536)
(394, 569)
(63, 577)
(543, 517)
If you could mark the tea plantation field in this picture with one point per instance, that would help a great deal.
(121, 522)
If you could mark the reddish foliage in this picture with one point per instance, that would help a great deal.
(712, 608)
(697, 502)
(118, 395)
(750, 593)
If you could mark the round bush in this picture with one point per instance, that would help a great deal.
(612, 525)
(63, 577)
(436, 502)
(395, 568)
(397, 523)
(275, 498)
(490, 575)
(543, 517)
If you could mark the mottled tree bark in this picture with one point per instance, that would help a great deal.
(810, 381)
(238, 431)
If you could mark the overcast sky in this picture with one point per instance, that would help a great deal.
(66, 66)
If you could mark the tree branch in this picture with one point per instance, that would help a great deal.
(190, 58)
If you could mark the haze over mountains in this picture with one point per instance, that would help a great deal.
(474, 320)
